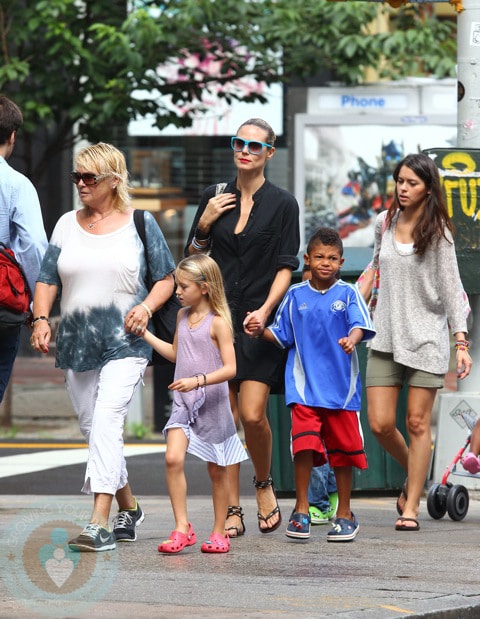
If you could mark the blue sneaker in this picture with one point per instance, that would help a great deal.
(343, 530)
(298, 526)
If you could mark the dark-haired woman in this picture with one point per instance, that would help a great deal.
(420, 296)
(251, 229)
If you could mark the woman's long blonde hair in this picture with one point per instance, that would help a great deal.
(200, 268)
(104, 158)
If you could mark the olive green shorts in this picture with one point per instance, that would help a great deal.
(383, 371)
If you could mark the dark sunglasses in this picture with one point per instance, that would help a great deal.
(88, 178)
(254, 146)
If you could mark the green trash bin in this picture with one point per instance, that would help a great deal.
(282, 466)
(383, 473)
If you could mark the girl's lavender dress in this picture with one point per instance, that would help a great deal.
(204, 414)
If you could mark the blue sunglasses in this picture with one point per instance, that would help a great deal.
(254, 146)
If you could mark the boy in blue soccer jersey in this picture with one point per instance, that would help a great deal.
(320, 321)
(322, 489)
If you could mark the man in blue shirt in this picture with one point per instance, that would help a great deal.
(320, 321)
(21, 225)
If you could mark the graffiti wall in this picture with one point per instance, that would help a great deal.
(460, 174)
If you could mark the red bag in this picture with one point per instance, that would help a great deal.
(14, 292)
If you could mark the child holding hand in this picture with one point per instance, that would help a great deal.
(201, 422)
(320, 321)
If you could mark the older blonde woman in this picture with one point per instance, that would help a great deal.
(96, 262)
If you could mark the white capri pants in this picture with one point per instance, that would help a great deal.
(101, 399)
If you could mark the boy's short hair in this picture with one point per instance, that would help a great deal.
(10, 118)
(325, 236)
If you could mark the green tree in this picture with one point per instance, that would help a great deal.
(82, 69)
(341, 36)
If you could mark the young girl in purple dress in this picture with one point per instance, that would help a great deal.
(201, 422)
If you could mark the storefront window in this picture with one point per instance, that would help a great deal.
(168, 180)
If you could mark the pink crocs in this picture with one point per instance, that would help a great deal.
(178, 541)
(471, 463)
(216, 543)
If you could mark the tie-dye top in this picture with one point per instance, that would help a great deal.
(100, 278)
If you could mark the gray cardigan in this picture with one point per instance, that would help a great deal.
(419, 298)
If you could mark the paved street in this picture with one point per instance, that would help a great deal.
(383, 574)
(53, 468)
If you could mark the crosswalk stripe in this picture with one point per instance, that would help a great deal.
(22, 464)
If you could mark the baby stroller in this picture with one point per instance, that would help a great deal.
(445, 496)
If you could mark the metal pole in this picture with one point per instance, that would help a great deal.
(468, 136)
(451, 429)
(468, 61)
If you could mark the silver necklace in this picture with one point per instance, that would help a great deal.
(90, 225)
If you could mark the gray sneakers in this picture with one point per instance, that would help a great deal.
(93, 538)
(126, 522)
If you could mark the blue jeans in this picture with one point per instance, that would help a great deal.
(9, 343)
(322, 483)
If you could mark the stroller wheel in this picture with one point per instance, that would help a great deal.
(457, 502)
(437, 501)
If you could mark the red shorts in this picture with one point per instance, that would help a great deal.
(337, 431)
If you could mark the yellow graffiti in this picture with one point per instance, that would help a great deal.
(462, 189)
(450, 161)
(461, 185)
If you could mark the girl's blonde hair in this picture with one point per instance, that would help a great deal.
(104, 158)
(200, 268)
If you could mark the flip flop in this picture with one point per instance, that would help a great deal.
(235, 510)
(401, 526)
(275, 510)
(403, 494)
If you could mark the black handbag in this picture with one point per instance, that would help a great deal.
(11, 321)
(164, 320)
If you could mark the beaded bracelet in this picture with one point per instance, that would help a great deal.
(41, 318)
(463, 345)
(147, 309)
(198, 382)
